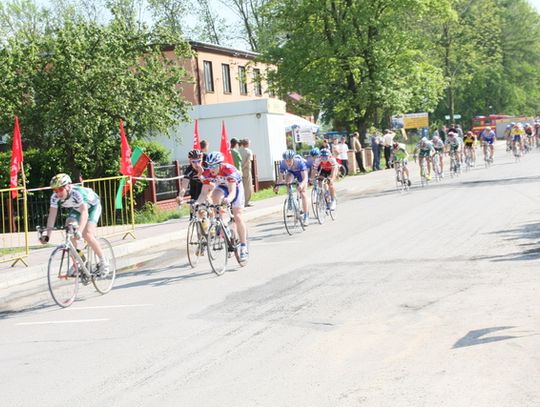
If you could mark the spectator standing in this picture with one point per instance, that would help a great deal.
(335, 151)
(247, 167)
(342, 153)
(375, 148)
(388, 140)
(459, 130)
(357, 148)
(325, 144)
(236, 155)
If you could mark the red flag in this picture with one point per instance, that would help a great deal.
(125, 153)
(196, 138)
(16, 157)
(224, 148)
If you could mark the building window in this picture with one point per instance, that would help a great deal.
(208, 76)
(226, 73)
(257, 82)
(242, 79)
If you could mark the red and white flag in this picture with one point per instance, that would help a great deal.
(125, 153)
(16, 157)
(224, 147)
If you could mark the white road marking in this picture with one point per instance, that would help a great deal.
(109, 306)
(72, 321)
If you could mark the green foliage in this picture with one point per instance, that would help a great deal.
(72, 83)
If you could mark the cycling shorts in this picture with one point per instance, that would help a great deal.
(424, 153)
(325, 173)
(94, 212)
(239, 199)
(297, 175)
(516, 137)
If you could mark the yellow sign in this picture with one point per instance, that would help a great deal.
(416, 120)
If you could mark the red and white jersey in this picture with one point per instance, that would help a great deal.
(227, 174)
(325, 165)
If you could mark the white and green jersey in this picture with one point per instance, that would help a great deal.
(77, 196)
(400, 153)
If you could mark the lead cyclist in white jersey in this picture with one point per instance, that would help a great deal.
(85, 209)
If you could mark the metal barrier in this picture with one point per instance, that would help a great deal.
(14, 217)
(117, 212)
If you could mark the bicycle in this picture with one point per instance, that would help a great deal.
(197, 232)
(67, 267)
(437, 166)
(516, 149)
(488, 159)
(292, 214)
(424, 172)
(323, 201)
(222, 239)
(469, 162)
(454, 164)
(402, 184)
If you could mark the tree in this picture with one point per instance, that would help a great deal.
(359, 59)
(72, 85)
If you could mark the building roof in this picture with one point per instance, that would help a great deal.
(203, 46)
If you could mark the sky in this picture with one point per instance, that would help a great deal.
(535, 3)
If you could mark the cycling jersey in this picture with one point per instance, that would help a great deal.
(227, 174)
(426, 150)
(77, 196)
(517, 133)
(326, 165)
(468, 141)
(454, 142)
(296, 169)
(195, 183)
(438, 145)
(400, 153)
(488, 137)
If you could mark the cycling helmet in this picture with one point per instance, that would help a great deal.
(315, 152)
(325, 152)
(451, 134)
(395, 144)
(508, 126)
(289, 154)
(60, 180)
(488, 128)
(195, 154)
(214, 158)
(513, 124)
(436, 138)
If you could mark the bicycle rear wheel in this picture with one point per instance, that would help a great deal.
(332, 212)
(103, 282)
(63, 277)
(195, 243)
(217, 249)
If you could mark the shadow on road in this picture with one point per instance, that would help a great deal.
(525, 232)
(476, 337)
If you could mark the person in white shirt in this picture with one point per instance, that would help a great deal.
(342, 150)
(388, 140)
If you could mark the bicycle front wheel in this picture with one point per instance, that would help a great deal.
(104, 280)
(195, 243)
(217, 249)
(290, 218)
(321, 208)
(314, 197)
(63, 277)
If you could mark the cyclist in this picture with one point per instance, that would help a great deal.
(327, 167)
(192, 176)
(399, 154)
(529, 133)
(517, 137)
(468, 141)
(438, 145)
(488, 139)
(223, 183)
(84, 208)
(294, 167)
(313, 159)
(425, 152)
(508, 136)
(455, 144)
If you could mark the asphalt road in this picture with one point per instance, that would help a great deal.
(430, 298)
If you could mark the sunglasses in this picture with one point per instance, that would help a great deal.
(61, 189)
(196, 161)
(212, 166)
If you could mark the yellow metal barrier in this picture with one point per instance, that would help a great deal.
(117, 215)
(14, 217)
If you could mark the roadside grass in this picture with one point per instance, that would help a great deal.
(150, 213)
(267, 193)
(11, 250)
